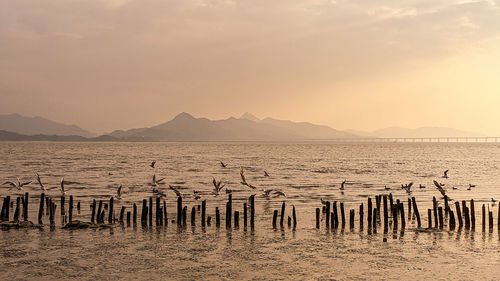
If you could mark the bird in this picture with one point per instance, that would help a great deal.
(157, 192)
(407, 187)
(119, 192)
(223, 165)
(63, 192)
(175, 190)
(445, 174)
(387, 188)
(244, 181)
(218, 186)
(40, 182)
(229, 191)
(421, 186)
(196, 195)
(278, 193)
(152, 165)
(323, 201)
(19, 185)
(267, 192)
(469, 188)
(266, 174)
(342, 185)
(454, 188)
(440, 188)
(493, 201)
(472, 185)
(156, 181)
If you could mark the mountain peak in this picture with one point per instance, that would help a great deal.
(250, 117)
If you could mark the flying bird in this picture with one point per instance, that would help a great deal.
(267, 192)
(386, 188)
(223, 165)
(243, 179)
(175, 190)
(266, 174)
(196, 195)
(407, 187)
(119, 192)
(493, 201)
(19, 185)
(445, 175)
(218, 186)
(63, 192)
(157, 181)
(152, 165)
(342, 185)
(278, 193)
(40, 182)
(440, 188)
(421, 186)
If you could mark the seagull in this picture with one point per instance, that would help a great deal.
(278, 193)
(119, 193)
(445, 175)
(63, 192)
(157, 182)
(152, 165)
(387, 188)
(472, 185)
(493, 201)
(40, 182)
(342, 185)
(440, 188)
(266, 174)
(196, 195)
(243, 180)
(454, 188)
(408, 187)
(223, 165)
(175, 190)
(267, 192)
(421, 186)
(157, 192)
(19, 185)
(218, 186)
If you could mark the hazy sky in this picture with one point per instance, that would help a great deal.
(362, 64)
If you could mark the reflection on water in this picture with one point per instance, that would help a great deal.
(305, 172)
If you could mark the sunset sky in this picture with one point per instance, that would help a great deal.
(362, 64)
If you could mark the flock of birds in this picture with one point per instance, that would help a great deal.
(218, 185)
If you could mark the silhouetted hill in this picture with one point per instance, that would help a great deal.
(37, 125)
(11, 136)
(185, 127)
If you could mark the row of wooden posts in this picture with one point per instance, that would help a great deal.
(393, 213)
(465, 214)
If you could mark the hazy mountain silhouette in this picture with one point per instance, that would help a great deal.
(422, 132)
(11, 136)
(185, 127)
(37, 125)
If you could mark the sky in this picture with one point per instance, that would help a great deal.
(360, 64)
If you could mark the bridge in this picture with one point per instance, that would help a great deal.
(428, 139)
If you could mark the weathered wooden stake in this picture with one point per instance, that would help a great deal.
(217, 217)
(484, 217)
(370, 213)
(184, 216)
(361, 214)
(70, 211)
(193, 216)
(63, 201)
(236, 219)
(459, 215)
(40, 209)
(452, 219)
(434, 207)
(122, 214)
(294, 216)
(466, 215)
(490, 219)
(415, 210)
(165, 218)
(252, 210)
(203, 212)
(351, 219)
(275, 217)
(25, 206)
(429, 218)
(282, 217)
(99, 210)
(128, 218)
(150, 209)
(245, 215)
(179, 210)
(472, 215)
(403, 218)
(342, 214)
(317, 216)
(134, 214)
(440, 211)
(92, 218)
(144, 213)
(18, 209)
(409, 208)
(335, 215)
(229, 211)
(327, 211)
(374, 224)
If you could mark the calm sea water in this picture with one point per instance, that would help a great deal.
(305, 172)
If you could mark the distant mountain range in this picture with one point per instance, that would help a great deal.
(185, 127)
(422, 132)
(37, 125)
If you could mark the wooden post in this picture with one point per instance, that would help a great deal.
(391, 203)
(361, 213)
(51, 212)
(327, 211)
(409, 209)
(294, 216)
(70, 211)
(203, 212)
(18, 209)
(40, 209)
(394, 219)
(342, 214)
(351, 219)
(472, 215)
(165, 218)
(193, 216)
(429, 218)
(459, 215)
(111, 210)
(245, 215)
(452, 219)
(47, 205)
(484, 218)
(229, 210)
(144, 213)
(158, 219)
(236, 219)
(490, 219)
(415, 210)
(370, 213)
(317, 217)
(434, 206)
(63, 200)
(78, 207)
(134, 212)
(4, 206)
(151, 211)
(289, 221)
(184, 216)
(128, 219)
(403, 219)
(25, 207)
(179, 210)
(466, 215)
(209, 220)
(252, 210)
(275, 217)
(440, 211)
(282, 217)
(374, 224)
(99, 210)
(446, 207)
(217, 217)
